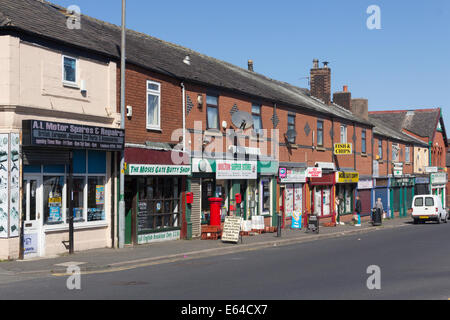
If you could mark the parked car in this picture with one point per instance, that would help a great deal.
(428, 208)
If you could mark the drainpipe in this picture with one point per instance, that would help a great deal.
(184, 116)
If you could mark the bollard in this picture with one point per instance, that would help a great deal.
(279, 223)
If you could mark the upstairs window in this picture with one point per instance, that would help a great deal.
(380, 148)
(407, 155)
(70, 70)
(363, 142)
(212, 110)
(291, 126)
(256, 114)
(343, 133)
(153, 105)
(320, 133)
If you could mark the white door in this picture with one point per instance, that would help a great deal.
(33, 238)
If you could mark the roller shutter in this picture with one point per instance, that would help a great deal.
(196, 216)
(366, 202)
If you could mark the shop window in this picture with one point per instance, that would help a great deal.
(96, 199)
(54, 169)
(265, 195)
(153, 105)
(407, 155)
(78, 198)
(159, 204)
(395, 152)
(79, 162)
(53, 195)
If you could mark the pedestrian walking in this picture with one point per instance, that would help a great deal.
(338, 204)
(358, 210)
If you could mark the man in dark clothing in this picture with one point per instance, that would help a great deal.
(358, 210)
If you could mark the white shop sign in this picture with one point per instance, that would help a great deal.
(230, 170)
(439, 178)
(294, 176)
(159, 237)
(365, 184)
(314, 172)
(231, 229)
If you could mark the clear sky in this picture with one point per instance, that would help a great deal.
(403, 65)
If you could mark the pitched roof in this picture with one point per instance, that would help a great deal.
(33, 16)
(421, 122)
(383, 129)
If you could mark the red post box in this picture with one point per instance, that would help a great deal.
(238, 198)
(215, 205)
(189, 198)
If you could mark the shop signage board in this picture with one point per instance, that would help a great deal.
(159, 237)
(343, 149)
(314, 172)
(230, 170)
(365, 184)
(157, 170)
(231, 229)
(439, 178)
(73, 136)
(347, 177)
(431, 169)
(403, 182)
(295, 175)
(422, 180)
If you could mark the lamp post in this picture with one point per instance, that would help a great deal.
(122, 125)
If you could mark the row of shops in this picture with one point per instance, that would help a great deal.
(165, 200)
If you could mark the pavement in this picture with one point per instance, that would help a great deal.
(112, 260)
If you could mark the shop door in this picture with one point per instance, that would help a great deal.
(32, 204)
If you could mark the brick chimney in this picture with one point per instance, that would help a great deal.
(343, 98)
(360, 107)
(321, 82)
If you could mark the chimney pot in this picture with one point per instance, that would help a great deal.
(345, 88)
(250, 65)
(315, 64)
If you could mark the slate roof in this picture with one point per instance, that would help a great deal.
(382, 129)
(420, 122)
(41, 18)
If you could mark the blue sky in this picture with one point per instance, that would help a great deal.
(405, 65)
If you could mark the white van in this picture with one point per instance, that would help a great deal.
(428, 208)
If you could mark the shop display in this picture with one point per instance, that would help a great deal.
(14, 185)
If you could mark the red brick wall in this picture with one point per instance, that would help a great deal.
(136, 96)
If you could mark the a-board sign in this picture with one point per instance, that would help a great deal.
(231, 229)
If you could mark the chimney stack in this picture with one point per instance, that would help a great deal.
(250, 65)
(360, 107)
(344, 98)
(321, 82)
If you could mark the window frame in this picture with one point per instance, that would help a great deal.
(407, 154)
(321, 131)
(343, 138)
(364, 141)
(254, 114)
(158, 94)
(67, 82)
(212, 106)
(380, 149)
(292, 116)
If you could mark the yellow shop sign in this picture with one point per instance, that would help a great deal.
(343, 149)
(347, 177)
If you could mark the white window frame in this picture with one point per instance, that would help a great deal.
(66, 82)
(156, 93)
(344, 137)
(407, 154)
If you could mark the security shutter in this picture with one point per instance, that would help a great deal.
(396, 199)
(409, 197)
(382, 193)
(196, 216)
(366, 202)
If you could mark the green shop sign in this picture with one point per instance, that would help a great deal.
(404, 182)
(157, 170)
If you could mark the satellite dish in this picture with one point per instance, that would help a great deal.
(242, 120)
(291, 134)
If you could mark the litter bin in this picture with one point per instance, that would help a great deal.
(377, 217)
(214, 208)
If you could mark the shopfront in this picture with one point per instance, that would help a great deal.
(292, 182)
(365, 186)
(422, 185)
(66, 171)
(346, 186)
(322, 195)
(155, 203)
(254, 181)
(438, 185)
(401, 194)
(381, 191)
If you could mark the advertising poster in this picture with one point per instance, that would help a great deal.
(4, 186)
(289, 200)
(30, 243)
(14, 187)
(100, 195)
(298, 205)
